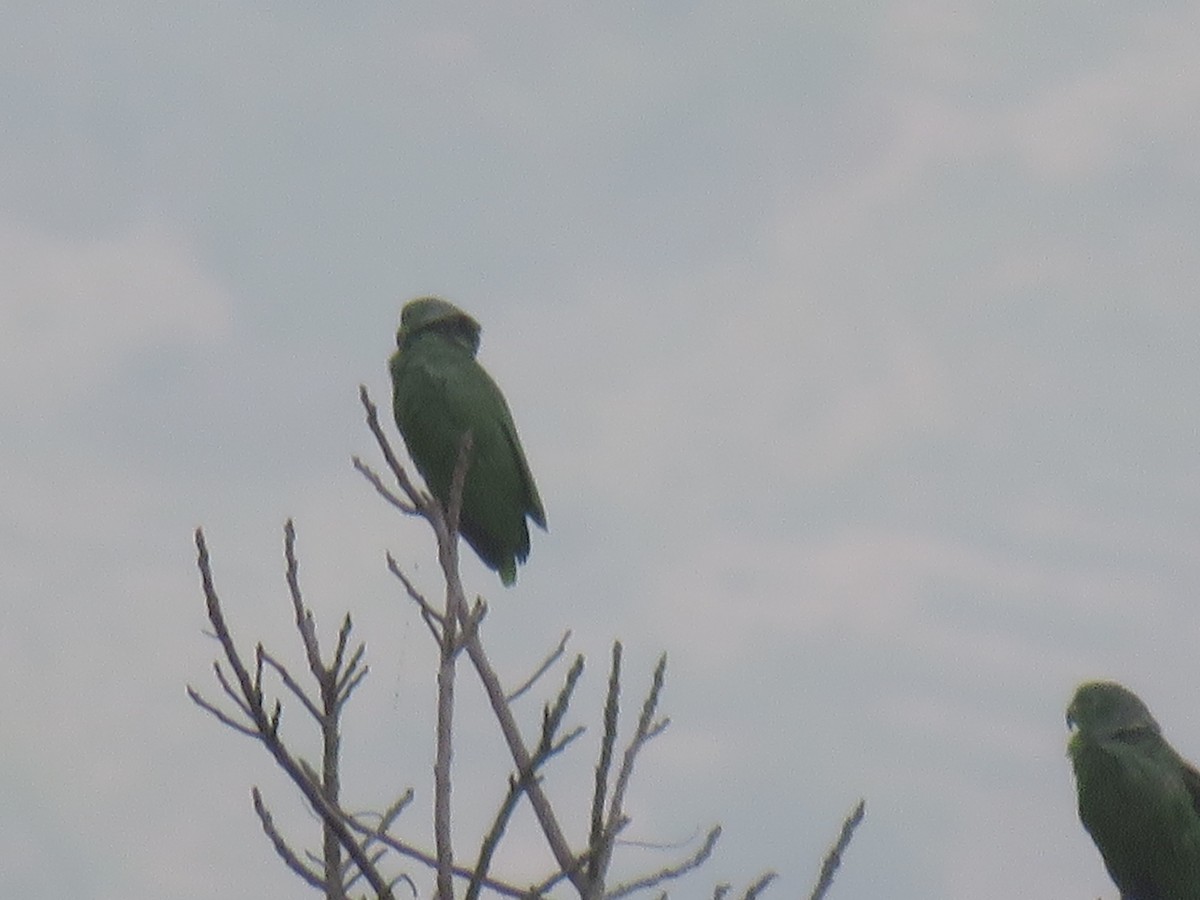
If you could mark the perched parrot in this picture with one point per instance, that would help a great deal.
(1139, 800)
(439, 393)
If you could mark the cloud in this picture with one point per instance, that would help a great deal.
(1118, 112)
(74, 308)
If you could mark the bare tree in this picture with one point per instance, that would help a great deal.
(359, 850)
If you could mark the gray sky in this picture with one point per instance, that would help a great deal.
(854, 348)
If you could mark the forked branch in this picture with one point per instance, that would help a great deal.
(249, 697)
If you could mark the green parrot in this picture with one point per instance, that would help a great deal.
(439, 393)
(1139, 800)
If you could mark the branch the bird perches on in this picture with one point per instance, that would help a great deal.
(360, 848)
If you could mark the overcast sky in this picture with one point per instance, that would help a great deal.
(854, 347)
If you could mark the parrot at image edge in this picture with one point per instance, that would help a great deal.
(439, 393)
(1139, 800)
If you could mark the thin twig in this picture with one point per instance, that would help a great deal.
(550, 660)
(292, 685)
(327, 716)
(380, 488)
(432, 618)
(516, 787)
(542, 809)
(694, 861)
(378, 834)
(417, 501)
(220, 715)
(285, 852)
(596, 837)
(553, 715)
(266, 726)
(833, 858)
(304, 619)
(352, 675)
(647, 730)
(759, 886)
(518, 783)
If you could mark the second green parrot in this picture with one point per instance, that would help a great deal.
(440, 392)
(1139, 799)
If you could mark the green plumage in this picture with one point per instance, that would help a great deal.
(439, 393)
(1139, 800)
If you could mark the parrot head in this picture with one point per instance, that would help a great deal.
(1105, 709)
(436, 314)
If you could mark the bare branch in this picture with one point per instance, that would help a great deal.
(647, 729)
(353, 850)
(552, 717)
(517, 784)
(759, 886)
(267, 725)
(351, 674)
(220, 715)
(229, 690)
(292, 685)
(455, 612)
(561, 744)
(380, 488)
(350, 874)
(253, 699)
(542, 809)
(432, 617)
(304, 618)
(441, 771)
(378, 834)
(491, 840)
(343, 639)
(554, 656)
(833, 859)
(417, 502)
(281, 847)
(445, 526)
(546, 885)
(596, 838)
(393, 812)
(346, 688)
(693, 862)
